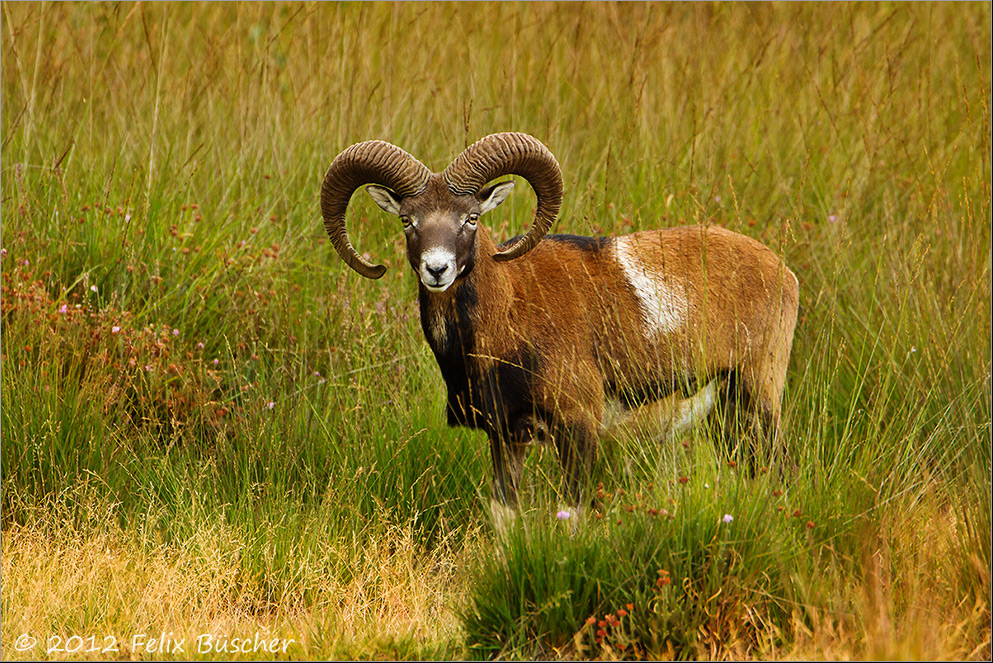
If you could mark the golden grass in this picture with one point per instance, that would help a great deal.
(57, 587)
(903, 608)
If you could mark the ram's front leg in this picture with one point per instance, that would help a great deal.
(508, 453)
(576, 444)
(576, 395)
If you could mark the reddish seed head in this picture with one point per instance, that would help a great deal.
(630, 607)
(796, 514)
(622, 613)
(810, 524)
(732, 464)
(777, 493)
(683, 479)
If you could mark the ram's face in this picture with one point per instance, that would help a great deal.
(440, 228)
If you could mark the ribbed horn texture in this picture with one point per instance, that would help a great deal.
(370, 162)
(511, 153)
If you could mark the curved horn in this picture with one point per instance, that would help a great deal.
(511, 154)
(370, 162)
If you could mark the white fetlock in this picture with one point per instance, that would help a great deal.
(504, 516)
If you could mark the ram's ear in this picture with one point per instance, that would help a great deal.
(491, 196)
(386, 199)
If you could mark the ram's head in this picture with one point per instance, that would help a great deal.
(440, 211)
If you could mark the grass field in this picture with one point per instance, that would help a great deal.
(217, 437)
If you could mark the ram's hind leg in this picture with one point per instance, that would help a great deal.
(750, 413)
(759, 383)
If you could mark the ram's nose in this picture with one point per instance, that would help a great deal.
(437, 271)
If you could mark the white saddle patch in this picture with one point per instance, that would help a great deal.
(663, 304)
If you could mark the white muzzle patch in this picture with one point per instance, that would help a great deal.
(438, 269)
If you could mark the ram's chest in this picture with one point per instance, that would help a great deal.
(485, 391)
(436, 326)
(447, 327)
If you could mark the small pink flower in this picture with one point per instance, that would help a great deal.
(216, 362)
(270, 405)
(64, 309)
(727, 518)
(3, 253)
(563, 515)
(832, 218)
(115, 330)
(175, 332)
(200, 346)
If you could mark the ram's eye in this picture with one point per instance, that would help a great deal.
(405, 220)
(472, 218)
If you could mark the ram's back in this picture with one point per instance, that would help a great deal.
(655, 309)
